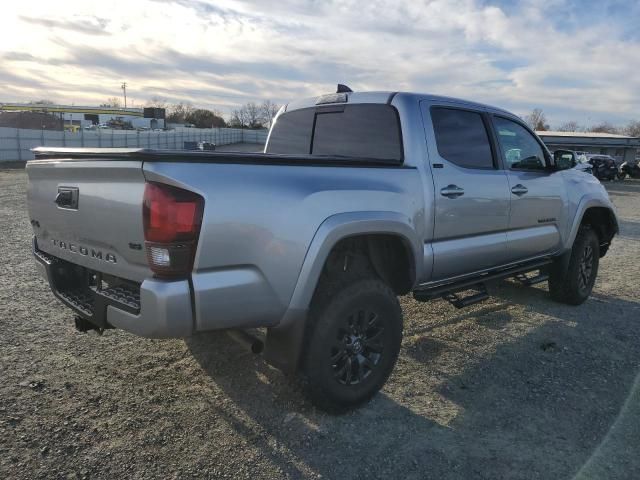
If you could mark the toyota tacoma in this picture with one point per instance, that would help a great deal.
(358, 198)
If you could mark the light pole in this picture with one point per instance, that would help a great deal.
(124, 90)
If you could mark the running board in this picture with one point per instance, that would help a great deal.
(528, 281)
(427, 293)
(460, 302)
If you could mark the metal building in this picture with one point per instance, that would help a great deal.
(620, 147)
(84, 116)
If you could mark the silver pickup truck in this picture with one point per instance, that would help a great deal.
(359, 197)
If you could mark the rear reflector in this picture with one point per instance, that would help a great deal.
(172, 217)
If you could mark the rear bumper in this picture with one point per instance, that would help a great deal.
(154, 308)
(165, 311)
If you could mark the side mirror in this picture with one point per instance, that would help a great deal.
(564, 159)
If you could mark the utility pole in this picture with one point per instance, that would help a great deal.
(124, 89)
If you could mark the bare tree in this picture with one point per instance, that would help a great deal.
(43, 101)
(239, 118)
(269, 111)
(537, 120)
(570, 126)
(179, 112)
(112, 102)
(632, 129)
(604, 127)
(254, 117)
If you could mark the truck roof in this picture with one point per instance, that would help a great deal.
(387, 96)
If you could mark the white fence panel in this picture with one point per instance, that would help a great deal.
(15, 144)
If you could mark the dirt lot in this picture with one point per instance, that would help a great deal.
(516, 387)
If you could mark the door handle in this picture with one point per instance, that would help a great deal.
(452, 191)
(519, 190)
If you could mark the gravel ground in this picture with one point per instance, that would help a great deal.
(516, 387)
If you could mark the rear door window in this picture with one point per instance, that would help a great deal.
(369, 131)
(462, 138)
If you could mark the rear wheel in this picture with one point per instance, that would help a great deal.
(574, 285)
(352, 345)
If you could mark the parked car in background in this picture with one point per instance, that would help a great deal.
(604, 166)
(629, 169)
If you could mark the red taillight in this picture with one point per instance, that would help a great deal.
(172, 218)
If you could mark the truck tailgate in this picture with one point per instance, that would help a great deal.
(97, 220)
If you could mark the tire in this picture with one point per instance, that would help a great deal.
(574, 285)
(352, 344)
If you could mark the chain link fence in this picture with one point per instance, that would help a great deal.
(16, 143)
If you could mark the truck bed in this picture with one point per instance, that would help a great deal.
(155, 155)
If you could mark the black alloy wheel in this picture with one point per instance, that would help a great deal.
(358, 348)
(352, 343)
(585, 268)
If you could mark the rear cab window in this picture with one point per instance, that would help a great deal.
(368, 131)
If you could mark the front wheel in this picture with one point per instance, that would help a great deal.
(574, 285)
(353, 344)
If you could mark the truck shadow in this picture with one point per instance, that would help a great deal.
(559, 387)
(269, 409)
(536, 407)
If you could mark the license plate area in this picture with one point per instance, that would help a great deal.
(88, 293)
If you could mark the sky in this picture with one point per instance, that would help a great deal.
(577, 60)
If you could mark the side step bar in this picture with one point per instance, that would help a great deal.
(460, 302)
(449, 290)
(528, 281)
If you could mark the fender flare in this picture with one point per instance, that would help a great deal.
(587, 202)
(339, 227)
(284, 342)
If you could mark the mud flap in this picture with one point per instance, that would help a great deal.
(284, 343)
(560, 266)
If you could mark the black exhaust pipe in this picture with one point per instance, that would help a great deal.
(248, 341)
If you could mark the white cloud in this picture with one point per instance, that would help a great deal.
(219, 54)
